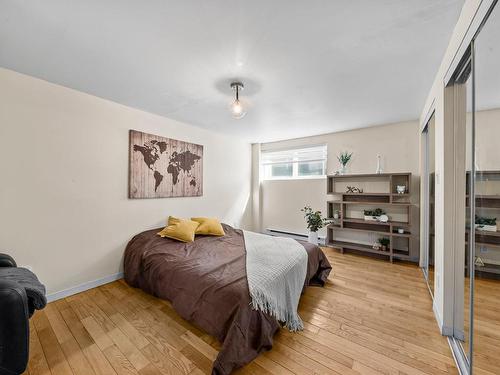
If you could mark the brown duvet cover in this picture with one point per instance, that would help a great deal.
(207, 285)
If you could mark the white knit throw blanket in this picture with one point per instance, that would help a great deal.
(276, 271)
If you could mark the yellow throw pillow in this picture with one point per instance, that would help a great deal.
(179, 229)
(209, 226)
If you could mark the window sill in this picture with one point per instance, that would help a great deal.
(295, 178)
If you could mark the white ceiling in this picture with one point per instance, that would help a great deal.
(487, 63)
(309, 67)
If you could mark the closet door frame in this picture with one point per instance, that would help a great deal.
(457, 104)
(425, 189)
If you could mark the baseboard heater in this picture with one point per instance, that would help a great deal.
(295, 235)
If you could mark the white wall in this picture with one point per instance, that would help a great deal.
(487, 140)
(396, 143)
(63, 191)
(283, 199)
(256, 189)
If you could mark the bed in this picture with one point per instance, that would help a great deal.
(206, 283)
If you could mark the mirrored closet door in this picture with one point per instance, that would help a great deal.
(476, 102)
(485, 256)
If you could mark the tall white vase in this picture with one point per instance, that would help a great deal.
(313, 238)
(379, 165)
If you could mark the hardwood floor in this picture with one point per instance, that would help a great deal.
(486, 325)
(372, 317)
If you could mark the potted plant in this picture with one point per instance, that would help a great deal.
(384, 243)
(343, 159)
(486, 224)
(373, 215)
(314, 223)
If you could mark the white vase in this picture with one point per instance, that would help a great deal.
(379, 165)
(313, 238)
(343, 169)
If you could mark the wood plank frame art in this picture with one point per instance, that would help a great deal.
(161, 167)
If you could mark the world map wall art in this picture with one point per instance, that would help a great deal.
(162, 167)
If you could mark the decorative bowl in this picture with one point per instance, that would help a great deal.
(401, 189)
(383, 218)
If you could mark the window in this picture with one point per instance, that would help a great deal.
(307, 162)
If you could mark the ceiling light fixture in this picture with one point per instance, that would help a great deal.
(237, 109)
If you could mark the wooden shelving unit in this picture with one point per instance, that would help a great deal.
(379, 191)
(488, 204)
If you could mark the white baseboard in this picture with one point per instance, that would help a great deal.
(83, 287)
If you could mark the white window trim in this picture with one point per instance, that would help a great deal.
(295, 166)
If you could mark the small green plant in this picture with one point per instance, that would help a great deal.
(384, 241)
(313, 219)
(344, 158)
(485, 220)
(375, 212)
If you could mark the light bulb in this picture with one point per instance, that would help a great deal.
(237, 110)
